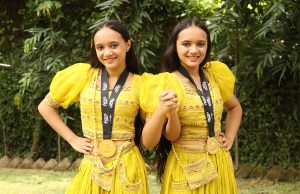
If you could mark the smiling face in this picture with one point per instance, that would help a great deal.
(111, 48)
(191, 47)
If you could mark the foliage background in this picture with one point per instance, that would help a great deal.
(258, 40)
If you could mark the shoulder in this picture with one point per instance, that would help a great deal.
(217, 67)
(223, 76)
(76, 68)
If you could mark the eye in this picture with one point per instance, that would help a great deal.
(201, 44)
(99, 47)
(114, 46)
(186, 44)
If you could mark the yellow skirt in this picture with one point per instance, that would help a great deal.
(175, 179)
(129, 176)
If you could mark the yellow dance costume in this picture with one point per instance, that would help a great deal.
(189, 168)
(123, 173)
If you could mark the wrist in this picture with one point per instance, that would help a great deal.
(70, 138)
(229, 139)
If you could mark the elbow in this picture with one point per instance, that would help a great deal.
(149, 144)
(172, 139)
(240, 109)
(40, 108)
(43, 107)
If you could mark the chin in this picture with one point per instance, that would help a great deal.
(193, 65)
(111, 66)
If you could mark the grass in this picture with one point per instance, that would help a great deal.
(25, 181)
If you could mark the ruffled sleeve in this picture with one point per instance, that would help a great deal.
(152, 85)
(67, 84)
(223, 77)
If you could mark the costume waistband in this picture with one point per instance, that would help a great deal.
(202, 146)
(122, 148)
(190, 148)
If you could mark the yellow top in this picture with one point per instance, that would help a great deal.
(80, 82)
(191, 111)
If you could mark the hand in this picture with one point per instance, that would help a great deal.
(168, 101)
(82, 145)
(225, 142)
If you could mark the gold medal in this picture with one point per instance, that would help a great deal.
(212, 145)
(107, 148)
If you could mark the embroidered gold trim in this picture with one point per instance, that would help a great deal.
(116, 135)
(197, 173)
(103, 176)
(212, 145)
(51, 102)
(190, 148)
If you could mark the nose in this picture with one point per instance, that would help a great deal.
(107, 52)
(193, 49)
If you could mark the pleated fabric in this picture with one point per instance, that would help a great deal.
(130, 176)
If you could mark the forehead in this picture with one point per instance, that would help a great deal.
(106, 34)
(192, 33)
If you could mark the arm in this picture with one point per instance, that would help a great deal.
(52, 117)
(173, 128)
(233, 121)
(153, 128)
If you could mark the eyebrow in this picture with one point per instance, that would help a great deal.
(112, 42)
(191, 41)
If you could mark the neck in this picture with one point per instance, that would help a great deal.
(115, 72)
(194, 72)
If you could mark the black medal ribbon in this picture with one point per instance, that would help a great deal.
(108, 103)
(205, 98)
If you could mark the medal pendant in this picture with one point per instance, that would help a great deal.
(212, 145)
(107, 148)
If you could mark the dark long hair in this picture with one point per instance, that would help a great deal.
(131, 60)
(170, 58)
(171, 63)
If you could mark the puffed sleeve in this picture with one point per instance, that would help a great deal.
(152, 85)
(223, 77)
(67, 84)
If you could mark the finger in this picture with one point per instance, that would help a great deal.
(86, 139)
(85, 152)
(221, 139)
(88, 144)
(88, 147)
(167, 97)
(174, 94)
(162, 94)
(228, 148)
(223, 144)
(175, 100)
(170, 103)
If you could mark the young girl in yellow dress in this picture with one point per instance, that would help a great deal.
(110, 94)
(198, 159)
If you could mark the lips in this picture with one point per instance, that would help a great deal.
(193, 58)
(110, 60)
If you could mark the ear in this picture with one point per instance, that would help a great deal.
(128, 45)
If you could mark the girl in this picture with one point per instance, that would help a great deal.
(109, 93)
(198, 161)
